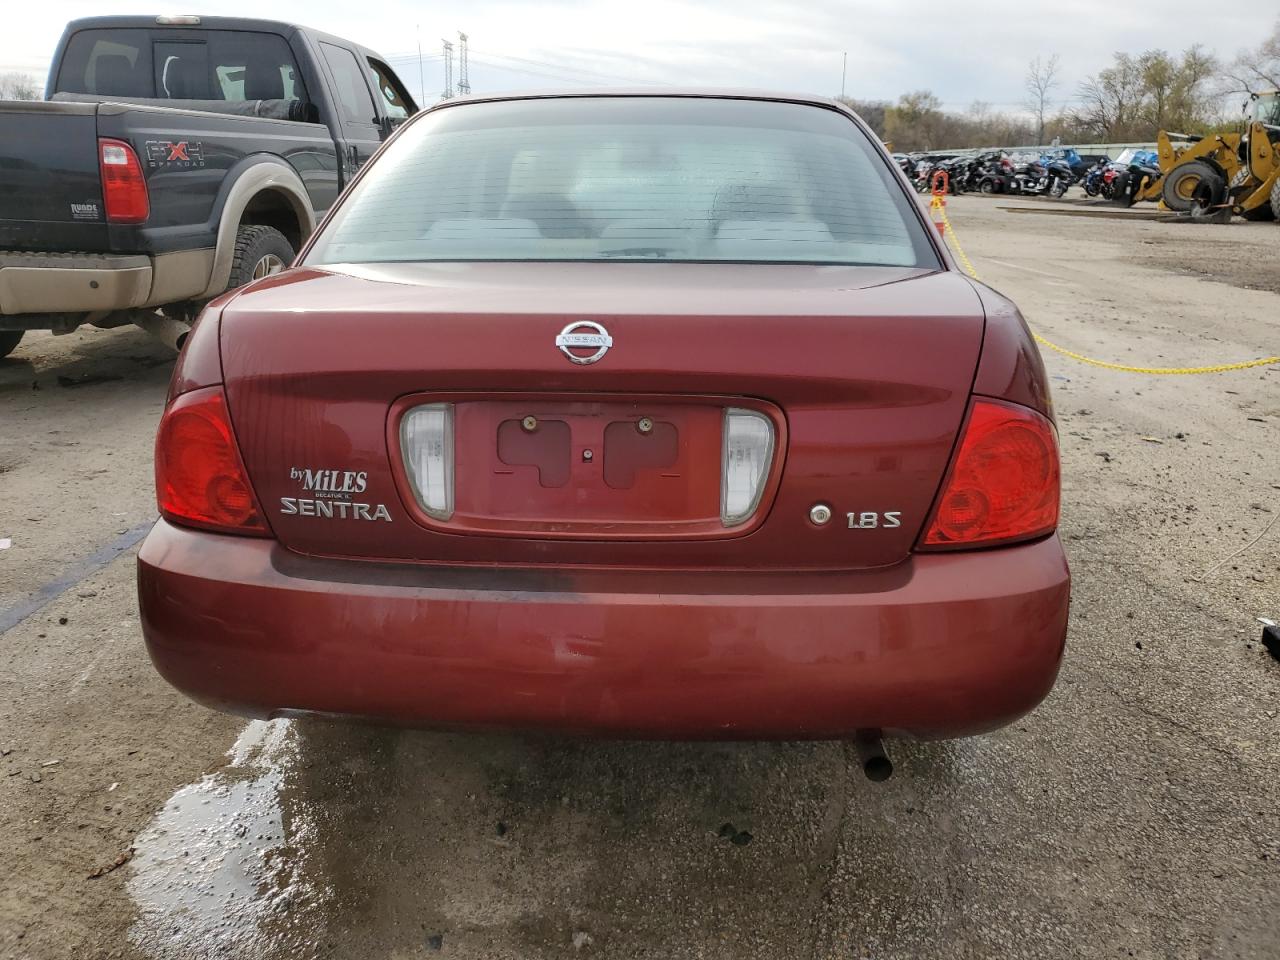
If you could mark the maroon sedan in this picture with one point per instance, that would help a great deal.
(646, 415)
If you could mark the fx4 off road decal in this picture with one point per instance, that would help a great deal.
(174, 154)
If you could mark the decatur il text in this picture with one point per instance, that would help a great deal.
(332, 496)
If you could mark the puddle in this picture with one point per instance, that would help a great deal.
(221, 870)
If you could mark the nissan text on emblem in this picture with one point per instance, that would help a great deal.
(584, 335)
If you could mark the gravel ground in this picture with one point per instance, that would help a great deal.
(1132, 815)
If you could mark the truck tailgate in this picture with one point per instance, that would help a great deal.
(50, 193)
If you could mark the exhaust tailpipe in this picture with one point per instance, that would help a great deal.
(172, 333)
(875, 762)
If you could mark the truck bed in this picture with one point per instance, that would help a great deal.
(51, 197)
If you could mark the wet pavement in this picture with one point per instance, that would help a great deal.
(222, 869)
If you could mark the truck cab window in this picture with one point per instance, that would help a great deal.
(231, 65)
(182, 70)
(395, 101)
(108, 63)
(254, 66)
(353, 92)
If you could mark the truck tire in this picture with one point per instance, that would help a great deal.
(260, 252)
(1210, 194)
(1275, 199)
(1179, 188)
(9, 340)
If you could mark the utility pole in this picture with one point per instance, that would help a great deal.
(844, 68)
(422, 83)
(464, 84)
(448, 71)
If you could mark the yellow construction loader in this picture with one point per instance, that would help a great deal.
(1222, 174)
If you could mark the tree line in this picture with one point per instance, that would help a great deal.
(1131, 99)
(17, 86)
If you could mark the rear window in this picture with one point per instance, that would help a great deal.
(231, 65)
(629, 178)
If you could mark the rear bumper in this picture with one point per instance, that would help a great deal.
(942, 645)
(71, 282)
(56, 283)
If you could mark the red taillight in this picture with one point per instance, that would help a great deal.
(1004, 482)
(200, 480)
(124, 189)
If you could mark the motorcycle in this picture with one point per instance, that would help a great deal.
(996, 176)
(1143, 166)
(1030, 178)
(1060, 178)
(978, 170)
(1094, 182)
(926, 169)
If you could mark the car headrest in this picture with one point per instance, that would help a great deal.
(555, 214)
(753, 201)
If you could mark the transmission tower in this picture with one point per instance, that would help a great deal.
(448, 71)
(464, 85)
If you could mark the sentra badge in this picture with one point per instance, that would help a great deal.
(333, 493)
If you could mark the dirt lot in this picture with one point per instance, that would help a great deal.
(1133, 815)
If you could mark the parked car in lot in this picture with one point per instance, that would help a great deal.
(646, 415)
(176, 157)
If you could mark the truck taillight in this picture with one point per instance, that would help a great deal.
(124, 189)
(1004, 482)
(200, 479)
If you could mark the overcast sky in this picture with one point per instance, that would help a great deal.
(978, 50)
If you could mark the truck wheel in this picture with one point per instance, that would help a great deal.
(260, 252)
(1275, 199)
(9, 341)
(1179, 188)
(1208, 197)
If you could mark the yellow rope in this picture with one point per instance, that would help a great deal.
(938, 205)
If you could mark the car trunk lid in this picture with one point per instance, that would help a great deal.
(863, 374)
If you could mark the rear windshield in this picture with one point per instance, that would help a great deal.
(231, 65)
(629, 178)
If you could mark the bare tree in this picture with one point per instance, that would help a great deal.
(1140, 95)
(1257, 69)
(1111, 100)
(871, 111)
(17, 86)
(1042, 77)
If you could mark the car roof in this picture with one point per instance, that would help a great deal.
(708, 93)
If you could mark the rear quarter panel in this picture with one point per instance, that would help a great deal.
(1011, 367)
(187, 195)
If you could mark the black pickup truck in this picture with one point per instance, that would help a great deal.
(174, 158)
